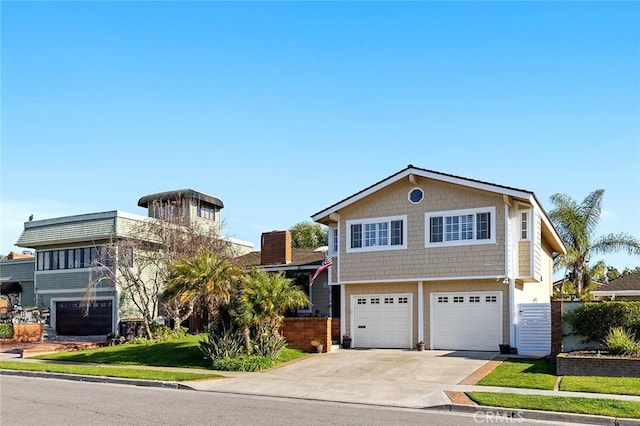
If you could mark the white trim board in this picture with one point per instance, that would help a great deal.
(413, 280)
(76, 290)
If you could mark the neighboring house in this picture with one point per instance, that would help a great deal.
(16, 279)
(71, 251)
(424, 256)
(298, 264)
(623, 288)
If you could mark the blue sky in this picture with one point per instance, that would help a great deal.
(281, 108)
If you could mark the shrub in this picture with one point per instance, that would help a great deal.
(622, 342)
(594, 320)
(162, 333)
(222, 342)
(6, 331)
(243, 363)
(141, 341)
(267, 342)
(269, 346)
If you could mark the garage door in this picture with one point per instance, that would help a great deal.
(466, 321)
(382, 320)
(70, 320)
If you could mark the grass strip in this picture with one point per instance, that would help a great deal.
(613, 385)
(120, 372)
(564, 404)
(521, 373)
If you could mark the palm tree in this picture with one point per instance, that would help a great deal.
(576, 224)
(262, 299)
(206, 278)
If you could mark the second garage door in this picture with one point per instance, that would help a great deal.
(466, 321)
(382, 320)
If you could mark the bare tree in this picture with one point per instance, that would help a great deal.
(138, 260)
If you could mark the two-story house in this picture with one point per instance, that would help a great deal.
(73, 251)
(424, 256)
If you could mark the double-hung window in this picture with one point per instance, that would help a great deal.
(524, 225)
(382, 233)
(460, 227)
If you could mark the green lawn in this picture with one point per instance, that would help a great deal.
(613, 385)
(601, 407)
(121, 372)
(521, 373)
(173, 353)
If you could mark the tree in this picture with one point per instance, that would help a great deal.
(576, 225)
(207, 278)
(261, 301)
(138, 261)
(308, 234)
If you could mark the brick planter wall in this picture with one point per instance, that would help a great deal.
(299, 333)
(28, 332)
(597, 366)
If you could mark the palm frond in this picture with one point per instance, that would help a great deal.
(617, 242)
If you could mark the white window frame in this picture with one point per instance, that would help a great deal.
(492, 223)
(527, 221)
(334, 240)
(385, 247)
(414, 189)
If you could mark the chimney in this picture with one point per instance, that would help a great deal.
(275, 248)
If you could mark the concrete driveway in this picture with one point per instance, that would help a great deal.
(377, 376)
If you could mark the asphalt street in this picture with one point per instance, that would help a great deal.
(38, 401)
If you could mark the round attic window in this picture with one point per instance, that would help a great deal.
(416, 195)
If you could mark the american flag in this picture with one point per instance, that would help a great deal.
(326, 263)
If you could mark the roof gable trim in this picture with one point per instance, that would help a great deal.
(425, 174)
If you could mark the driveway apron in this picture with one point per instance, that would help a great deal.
(377, 376)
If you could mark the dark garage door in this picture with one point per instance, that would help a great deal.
(70, 320)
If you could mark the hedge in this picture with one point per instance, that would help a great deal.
(6, 331)
(594, 320)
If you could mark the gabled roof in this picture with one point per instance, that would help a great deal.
(621, 286)
(520, 194)
(301, 258)
(178, 194)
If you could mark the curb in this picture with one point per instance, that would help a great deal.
(517, 414)
(96, 379)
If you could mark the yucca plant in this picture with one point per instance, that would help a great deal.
(621, 341)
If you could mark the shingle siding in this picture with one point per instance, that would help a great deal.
(416, 261)
(67, 280)
(17, 270)
(524, 258)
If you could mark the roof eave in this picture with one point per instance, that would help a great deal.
(615, 293)
(180, 193)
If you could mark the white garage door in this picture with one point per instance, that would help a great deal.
(382, 320)
(466, 321)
